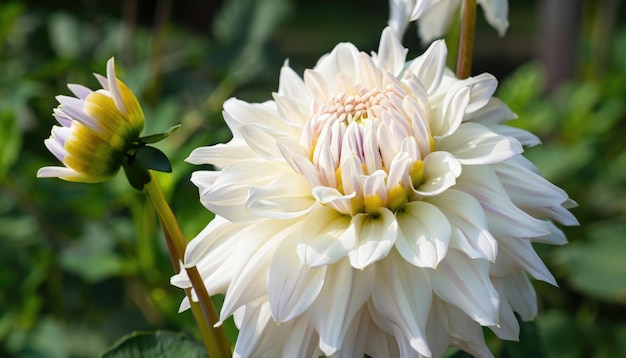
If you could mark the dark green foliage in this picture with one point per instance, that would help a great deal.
(156, 345)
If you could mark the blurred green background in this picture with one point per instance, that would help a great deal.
(83, 265)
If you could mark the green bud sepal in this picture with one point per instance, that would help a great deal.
(139, 158)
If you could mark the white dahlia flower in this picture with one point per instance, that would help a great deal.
(435, 16)
(376, 206)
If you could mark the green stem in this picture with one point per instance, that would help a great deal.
(214, 337)
(466, 46)
(223, 349)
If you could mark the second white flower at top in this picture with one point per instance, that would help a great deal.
(375, 206)
(435, 16)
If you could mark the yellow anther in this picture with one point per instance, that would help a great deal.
(417, 173)
(397, 198)
(373, 203)
(338, 178)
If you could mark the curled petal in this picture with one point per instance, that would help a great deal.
(375, 235)
(288, 196)
(404, 296)
(423, 236)
(344, 293)
(325, 237)
(440, 172)
(391, 53)
(496, 13)
(465, 283)
(430, 66)
(334, 198)
(292, 285)
(475, 144)
(470, 231)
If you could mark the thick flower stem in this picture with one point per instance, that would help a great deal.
(214, 337)
(466, 41)
(223, 348)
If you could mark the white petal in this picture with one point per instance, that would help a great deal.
(356, 336)
(318, 86)
(261, 141)
(399, 16)
(507, 327)
(59, 172)
(521, 250)
(221, 155)
(521, 295)
(300, 339)
(288, 196)
(379, 344)
(403, 295)
(79, 90)
(291, 86)
(504, 218)
(496, 12)
(437, 328)
(374, 185)
(291, 110)
(251, 283)
(391, 53)
(54, 146)
(344, 293)
(429, 67)
(375, 237)
(434, 23)
(465, 283)
(555, 237)
(470, 231)
(262, 115)
(532, 193)
(334, 198)
(474, 144)
(492, 113)
(342, 59)
(325, 238)
(482, 88)
(352, 175)
(466, 334)
(447, 118)
(424, 234)
(440, 172)
(113, 87)
(222, 249)
(254, 318)
(370, 76)
(292, 285)
(525, 138)
(225, 193)
(73, 108)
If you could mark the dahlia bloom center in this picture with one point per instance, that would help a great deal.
(369, 146)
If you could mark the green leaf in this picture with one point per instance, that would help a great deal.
(152, 158)
(137, 176)
(156, 345)
(153, 138)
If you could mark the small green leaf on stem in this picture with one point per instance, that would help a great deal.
(152, 158)
(153, 138)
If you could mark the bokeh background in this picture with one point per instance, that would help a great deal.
(83, 265)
